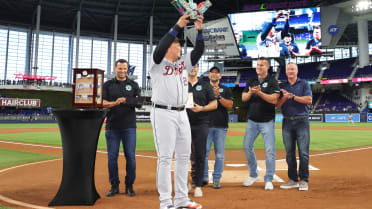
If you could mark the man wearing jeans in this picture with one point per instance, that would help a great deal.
(119, 95)
(294, 104)
(218, 125)
(261, 93)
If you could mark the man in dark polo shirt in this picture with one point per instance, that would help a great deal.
(119, 95)
(218, 126)
(204, 101)
(262, 94)
(294, 104)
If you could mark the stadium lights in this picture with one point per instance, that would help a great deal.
(362, 6)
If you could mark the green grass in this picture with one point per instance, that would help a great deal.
(320, 139)
(10, 158)
(3, 207)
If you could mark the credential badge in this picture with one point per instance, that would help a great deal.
(264, 85)
(199, 87)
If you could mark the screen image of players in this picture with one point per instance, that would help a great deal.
(314, 45)
(288, 48)
(269, 39)
(283, 33)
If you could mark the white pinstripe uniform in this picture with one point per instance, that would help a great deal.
(171, 128)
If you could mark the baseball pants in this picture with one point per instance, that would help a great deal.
(172, 134)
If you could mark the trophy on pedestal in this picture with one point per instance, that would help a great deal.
(87, 88)
(192, 8)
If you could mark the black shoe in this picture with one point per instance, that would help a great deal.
(129, 190)
(114, 189)
(205, 183)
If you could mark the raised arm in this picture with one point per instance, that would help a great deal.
(266, 30)
(198, 50)
(168, 39)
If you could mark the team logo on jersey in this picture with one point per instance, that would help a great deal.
(128, 87)
(174, 70)
(199, 87)
(221, 90)
(264, 85)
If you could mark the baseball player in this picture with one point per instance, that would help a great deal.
(268, 40)
(171, 128)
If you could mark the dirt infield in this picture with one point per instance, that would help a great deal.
(343, 181)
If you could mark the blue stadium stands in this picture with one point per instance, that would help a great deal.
(364, 72)
(339, 69)
(246, 75)
(300, 21)
(333, 102)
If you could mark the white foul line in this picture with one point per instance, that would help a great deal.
(23, 204)
(342, 151)
(336, 152)
(24, 165)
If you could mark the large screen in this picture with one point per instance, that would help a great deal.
(282, 33)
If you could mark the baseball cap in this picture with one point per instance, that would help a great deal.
(215, 67)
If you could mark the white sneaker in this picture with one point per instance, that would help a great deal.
(269, 186)
(304, 186)
(191, 205)
(289, 185)
(250, 180)
(198, 192)
(189, 187)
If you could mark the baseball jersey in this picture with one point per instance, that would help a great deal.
(314, 43)
(269, 47)
(170, 81)
(285, 51)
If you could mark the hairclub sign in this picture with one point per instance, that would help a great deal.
(275, 6)
(17, 102)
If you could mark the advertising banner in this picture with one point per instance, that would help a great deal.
(218, 37)
(312, 118)
(334, 81)
(14, 102)
(369, 117)
(363, 79)
(278, 118)
(316, 117)
(341, 117)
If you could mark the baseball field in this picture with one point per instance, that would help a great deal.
(340, 170)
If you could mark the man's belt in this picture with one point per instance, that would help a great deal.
(295, 117)
(168, 107)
